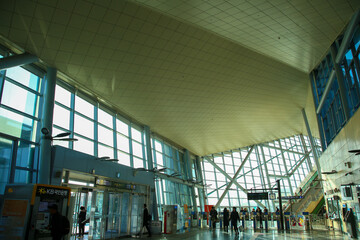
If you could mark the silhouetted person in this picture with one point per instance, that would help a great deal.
(226, 219)
(234, 218)
(146, 221)
(82, 221)
(213, 215)
(259, 216)
(56, 223)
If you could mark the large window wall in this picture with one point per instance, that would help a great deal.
(343, 98)
(168, 190)
(20, 114)
(289, 160)
(100, 131)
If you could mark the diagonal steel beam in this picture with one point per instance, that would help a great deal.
(299, 164)
(233, 180)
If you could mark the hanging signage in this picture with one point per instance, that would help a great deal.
(107, 183)
(291, 197)
(258, 196)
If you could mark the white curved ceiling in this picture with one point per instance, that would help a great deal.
(206, 90)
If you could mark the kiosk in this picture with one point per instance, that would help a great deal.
(25, 213)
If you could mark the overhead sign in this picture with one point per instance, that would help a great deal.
(258, 196)
(291, 197)
(107, 183)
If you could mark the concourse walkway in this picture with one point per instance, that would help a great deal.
(249, 235)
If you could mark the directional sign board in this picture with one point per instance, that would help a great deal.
(258, 196)
(291, 197)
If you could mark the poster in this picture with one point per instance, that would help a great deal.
(13, 219)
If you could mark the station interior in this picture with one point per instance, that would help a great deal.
(187, 106)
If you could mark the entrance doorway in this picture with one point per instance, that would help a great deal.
(111, 212)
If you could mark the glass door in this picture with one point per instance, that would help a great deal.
(82, 198)
(114, 215)
(125, 210)
(137, 207)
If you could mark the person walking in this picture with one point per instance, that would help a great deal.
(82, 221)
(226, 219)
(234, 218)
(146, 221)
(214, 216)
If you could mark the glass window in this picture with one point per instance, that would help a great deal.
(158, 146)
(62, 96)
(84, 107)
(124, 158)
(137, 149)
(105, 118)
(22, 176)
(19, 99)
(17, 125)
(135, 134)
(138, 162)
(5, 155)
(122, 143)
(24, 77)
(61, 117)
(122, 127)
(104, 151)
(84, 126)
(105, 135)
(25, 155)
(84, 145)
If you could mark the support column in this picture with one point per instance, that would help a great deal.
(280, 205)
(44, 173)
(306, 152)
(340, 80)
(190, 176)
(17, 60)
(148, 147)
(150, 163)
(312, 144)
(200, 178)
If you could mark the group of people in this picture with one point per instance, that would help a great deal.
(234, 217)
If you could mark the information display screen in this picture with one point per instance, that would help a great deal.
(258, 196)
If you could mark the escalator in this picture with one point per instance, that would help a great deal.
(312, 196)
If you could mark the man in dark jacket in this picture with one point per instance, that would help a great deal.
(56, 223)
(234, 218)
(82, 221)
(226, 219)
(146, 220)
(213, 215)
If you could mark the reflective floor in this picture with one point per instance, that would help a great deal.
(207, 234)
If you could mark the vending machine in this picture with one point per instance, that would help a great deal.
(25, 213)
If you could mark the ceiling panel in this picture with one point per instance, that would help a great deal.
(203, 91)
(296, 32)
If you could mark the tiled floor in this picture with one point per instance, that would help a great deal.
(250, 235)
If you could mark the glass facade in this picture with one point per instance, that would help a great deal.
(287, 159)
(332, 115)
(100, 131)
(20, 114)
(169, 192)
